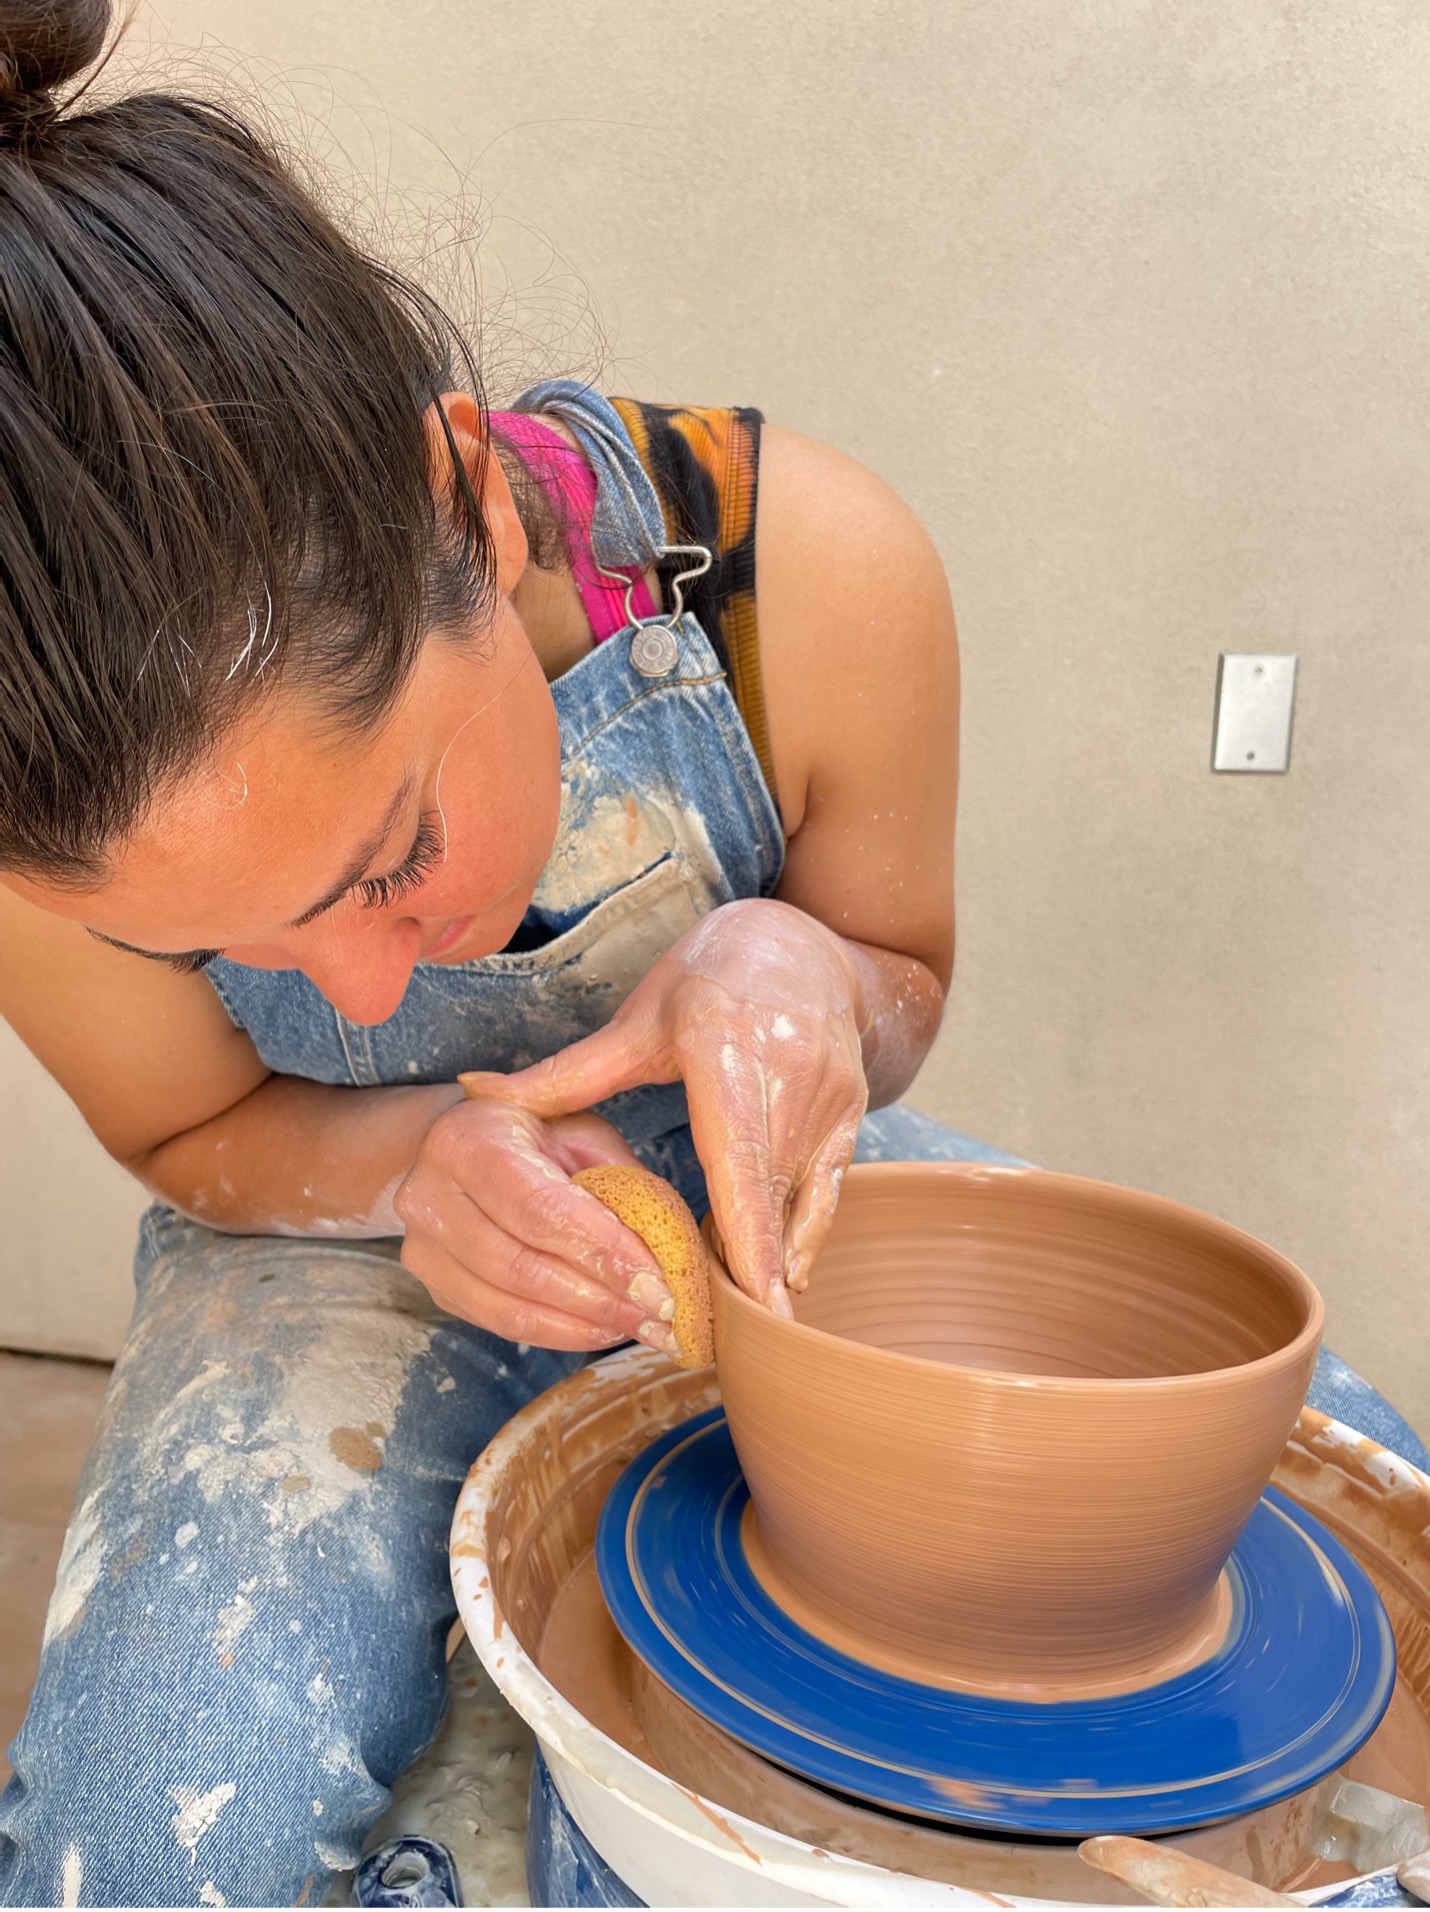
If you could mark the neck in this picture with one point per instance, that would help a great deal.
(549, 606)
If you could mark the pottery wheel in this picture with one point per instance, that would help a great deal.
(1300, 1682)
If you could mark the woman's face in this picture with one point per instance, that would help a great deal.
(352, 861)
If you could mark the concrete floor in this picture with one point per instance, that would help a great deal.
(46, 1422)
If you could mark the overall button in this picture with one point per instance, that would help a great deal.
(655, 650)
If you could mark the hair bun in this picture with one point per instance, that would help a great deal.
(44, 43)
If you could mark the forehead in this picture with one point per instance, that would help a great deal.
(255, 834)
(276, 808)
(237, 849)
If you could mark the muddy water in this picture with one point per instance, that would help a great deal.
(1016, 1425)
(587, 1661)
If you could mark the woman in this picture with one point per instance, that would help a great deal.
(351, 738)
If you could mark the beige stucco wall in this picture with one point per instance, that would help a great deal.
(67, 1219)
(1130, 300)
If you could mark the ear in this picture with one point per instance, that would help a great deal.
(488, 480)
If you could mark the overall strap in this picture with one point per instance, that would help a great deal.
(705, 465)
(564, 474)
(627, 525)
(672, 478)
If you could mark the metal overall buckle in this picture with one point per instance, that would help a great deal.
(655, 644)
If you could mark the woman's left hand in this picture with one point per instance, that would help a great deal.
(757, 1009)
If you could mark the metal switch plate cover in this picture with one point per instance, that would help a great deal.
(1255, 702)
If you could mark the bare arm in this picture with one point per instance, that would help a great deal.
(298, 1158)
(179, 1095)
(860, 662)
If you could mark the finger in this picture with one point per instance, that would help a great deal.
(585, 1142)
(499, 1245)
(622, 1055)
(513, 1180)
(588, 1141)
(749, 1207)
(453, 1286)
(812, 1210)
(730, 1122)
(570, 1226)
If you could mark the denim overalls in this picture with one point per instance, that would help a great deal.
(247, 1639)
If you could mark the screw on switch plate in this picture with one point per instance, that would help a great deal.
(1255, 702)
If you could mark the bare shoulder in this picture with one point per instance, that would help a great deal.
(859, 657)
(854, 606)
(826, 488)
(144, 1051)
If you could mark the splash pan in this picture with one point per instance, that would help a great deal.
(685, 1814)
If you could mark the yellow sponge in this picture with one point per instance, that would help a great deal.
(654, 1211)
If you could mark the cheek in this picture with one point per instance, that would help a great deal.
(544, 807)
(502, 818)
(260, 956)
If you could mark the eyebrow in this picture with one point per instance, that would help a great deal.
(356, 869)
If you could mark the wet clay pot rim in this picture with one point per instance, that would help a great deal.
(1134, 1204)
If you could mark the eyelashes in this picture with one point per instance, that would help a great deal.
(184, 962)
(429, 848)
(187, 964)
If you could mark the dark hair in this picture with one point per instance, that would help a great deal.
(213, 469)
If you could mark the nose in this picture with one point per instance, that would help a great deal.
(363, 969)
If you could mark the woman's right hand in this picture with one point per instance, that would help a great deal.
(499, 1235)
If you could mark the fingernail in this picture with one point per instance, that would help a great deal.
(656, 1335)
(779, 1301)
(652, 1294)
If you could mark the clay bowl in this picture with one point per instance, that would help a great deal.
(1016, 1426)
